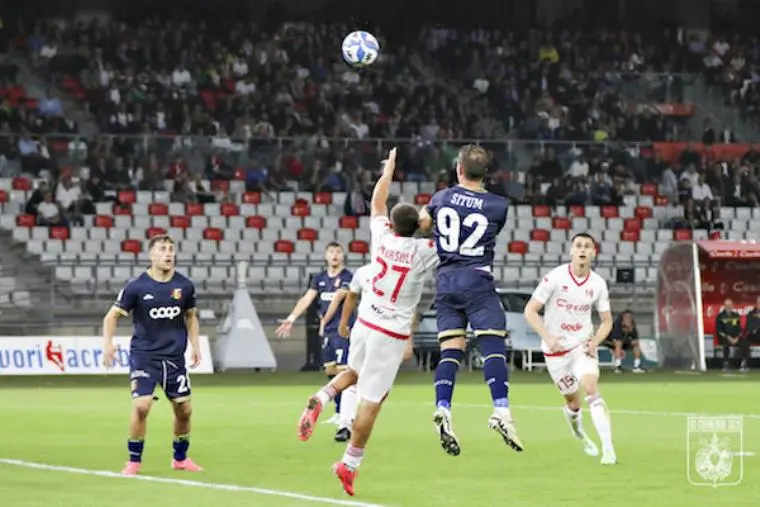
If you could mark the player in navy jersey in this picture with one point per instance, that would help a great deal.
(465, 220)
(163, 308)
(331, 283)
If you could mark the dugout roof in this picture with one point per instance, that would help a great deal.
(725, 249)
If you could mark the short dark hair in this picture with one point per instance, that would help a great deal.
(474, 160)
(159, 238)
(333, 244)
(584, 235)
(405, 219)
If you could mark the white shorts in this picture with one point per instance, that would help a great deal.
(376, 358)
(567, 370)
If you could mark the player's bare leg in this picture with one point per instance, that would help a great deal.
(331, 370)
(183, 411)
(138, 426)
(573, 416)
(601, 417)
(452, 354)
(317, 402)
(347, 468)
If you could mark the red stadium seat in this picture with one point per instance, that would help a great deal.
(630, 235)
(229, 209)
(3, 196)
(542, 211)
(20, 183)
(682, 235)
(325, 198)
(239, 174)
(26, 220)
(222, 185)
(213, 234)
(300, 209)
(131, 246)
(180, 221)
(158, 208)
(284, 246)
(256, 222)
(715, 235)
(301, 200)
(103, 221)
(422, 199)
(194, 209)
(610, 211)
(358, 246)
(562, 223)
(59, 232)
(518, 247)
(307, 234)
(632, 224)
(642, 212)
(122, 209)
(348, 222)
(539, 235)
(648, 189)
(577, 210)
(154, 231)
(127, 196)
(661, 200)
(252, 198)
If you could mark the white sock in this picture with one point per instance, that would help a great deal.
(348, 407)
(601, 418)
(637, 363)
(352, 458)
(574, 420)
(503, 412)
(326, 394)
(618, 362)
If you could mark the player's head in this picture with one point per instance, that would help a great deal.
(334, 255)
(162, 252)
(728, 305)
(582, 249)
(472, 164)
(627, 319)
(405, 219)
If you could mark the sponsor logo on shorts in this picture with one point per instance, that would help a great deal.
(165, 312)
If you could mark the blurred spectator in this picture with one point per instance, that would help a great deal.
(625, 336)
(49, 212)
(729, 331)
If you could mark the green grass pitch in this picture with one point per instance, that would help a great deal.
(245, 436)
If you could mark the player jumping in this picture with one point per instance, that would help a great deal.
(381, 336)
(466, 220)
(328, 285)
(163, 308)
(569, 343)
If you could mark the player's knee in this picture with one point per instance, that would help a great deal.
(182, 409)
(573, 401)
(590, 385)
(141, 407)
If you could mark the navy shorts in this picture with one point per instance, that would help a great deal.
(334, 350)
(468, 296)
(170, 374)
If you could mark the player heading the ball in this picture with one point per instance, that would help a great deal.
(466, 219)
(164, 315)
(567, 294)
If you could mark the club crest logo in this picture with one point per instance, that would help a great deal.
(177, 294)
(714, 448)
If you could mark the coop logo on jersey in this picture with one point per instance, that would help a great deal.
(714, 450)
(165, 312)
(177, 294)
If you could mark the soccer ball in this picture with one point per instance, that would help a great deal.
(360, 49)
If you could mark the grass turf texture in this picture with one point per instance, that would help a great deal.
(244, 434)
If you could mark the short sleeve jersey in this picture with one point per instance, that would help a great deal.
(568, 302)
(326, 287)
(465, 226)
(158, 314)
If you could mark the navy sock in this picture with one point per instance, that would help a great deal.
(446, 375)
(337, 396)
(181, 444)
(135, 447)
(496, 376)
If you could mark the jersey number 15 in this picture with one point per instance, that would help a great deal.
(450, 226)
(384, 269)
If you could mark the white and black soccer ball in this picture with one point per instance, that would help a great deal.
(360, 49)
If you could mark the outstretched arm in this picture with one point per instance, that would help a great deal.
(379, 204)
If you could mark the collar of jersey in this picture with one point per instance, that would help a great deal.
(480, 190)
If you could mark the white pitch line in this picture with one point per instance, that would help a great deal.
(185, 482)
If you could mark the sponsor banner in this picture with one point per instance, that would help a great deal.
(673, 109)
(671, 152)
(74, 355)
(736, 278)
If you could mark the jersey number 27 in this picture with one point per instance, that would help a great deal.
(384, 268)
(450, 226)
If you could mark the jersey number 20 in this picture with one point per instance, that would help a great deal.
(449, 227)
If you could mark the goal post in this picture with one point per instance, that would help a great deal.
(693, 282)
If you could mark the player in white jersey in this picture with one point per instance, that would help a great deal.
(567, 294)
(391, 288)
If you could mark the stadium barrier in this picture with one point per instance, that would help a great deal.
(74, 355)
(693, 282)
